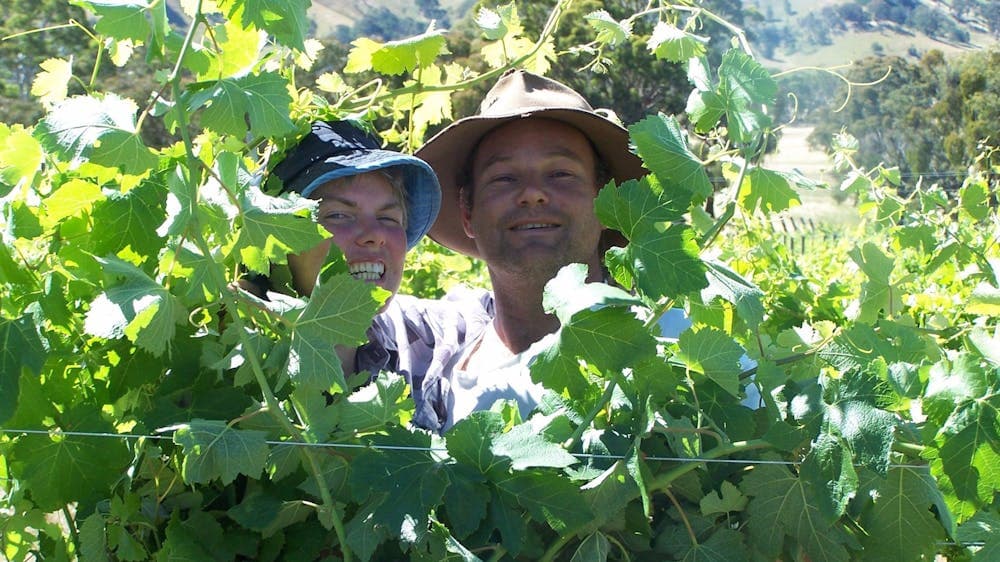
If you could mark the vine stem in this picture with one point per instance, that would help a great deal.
(230, 302)
(662, 482)
(574, 439)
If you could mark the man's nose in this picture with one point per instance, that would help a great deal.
(533, 192)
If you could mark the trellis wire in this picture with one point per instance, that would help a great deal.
(424, 449)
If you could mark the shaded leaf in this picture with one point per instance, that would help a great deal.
(213, 449)
(21, 349)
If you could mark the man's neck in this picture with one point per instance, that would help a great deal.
(520, 319)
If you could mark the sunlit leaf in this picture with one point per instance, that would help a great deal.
(215, 450)
(51, 84)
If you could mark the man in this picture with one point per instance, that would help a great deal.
(518, 185)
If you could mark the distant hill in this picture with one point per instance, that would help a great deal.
(793, 33)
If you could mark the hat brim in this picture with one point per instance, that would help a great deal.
(423, 193)
(449, 150)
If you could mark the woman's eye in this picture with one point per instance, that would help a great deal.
(391, 219)
(336, 216)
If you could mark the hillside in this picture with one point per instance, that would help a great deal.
(797, 33)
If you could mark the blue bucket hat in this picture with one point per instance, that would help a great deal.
(339, 149)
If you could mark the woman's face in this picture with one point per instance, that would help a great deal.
(367, 220)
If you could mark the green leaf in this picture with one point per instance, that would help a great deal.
(121, 19)
(746, 87)
(74, 197)
(568, 293)
(868, 431)
(528, 446)
(877, 293)
(63, 469)
(20, 157)
(660, 142)
(93, 541)
(725, 545)
(470, 442)
(900, 524)
(609, 30)
(705, 108)
(375, 405)
(129, 219)
(21, 349)
(261, 99)
(984, 300)
(339, 312)
(610, 338)
(984, 527)
(672, 44)
(728, 498)
(638, 207)
(396, 57)
(828, 470)
(140, 309)
(594, 548)
(974, 198)
(274, 227)
(466, 499)
(286, 20)
(268, 514)
(101, 131)
(785, 505)
(725, 283)
(412, 481)
(767, 190)
(713, 353)
(51, 84)
(549, 497)
(666, 263)
(213, 449)
(239, 49)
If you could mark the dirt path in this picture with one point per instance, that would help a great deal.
(795, 154)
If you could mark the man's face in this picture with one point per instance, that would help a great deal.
(533, 188)
(366, 219)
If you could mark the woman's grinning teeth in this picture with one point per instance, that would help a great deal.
(367, 271)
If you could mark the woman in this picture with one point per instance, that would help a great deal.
(377, 204)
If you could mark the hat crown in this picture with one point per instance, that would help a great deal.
(519, 91)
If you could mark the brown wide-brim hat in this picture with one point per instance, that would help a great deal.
(518, 95)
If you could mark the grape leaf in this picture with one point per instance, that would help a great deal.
(274, 227)
(20, 156)
(129, 219)
(900, 525)
(339, 312)
(595, 547)
(238, 50)
(725, 283)
(713, 353)
(568, 293)
(61, 469)
(785, 505)
(666, 262)
(121, 19)
(21, 349)
(745, 88)
(262, 99)
(672, 44)
(974, 199)
(984, 300)
(412, 482)
(470, 441)
(374, 406)
(140, 309)
(527, 446)
(705, 108)
(609, 30)
(767, 190)
(268, 514)
(52, 83)
(93, 540)
(828, 467)
(725, 545)
(74, 197)
(728, 498)
(637, 207)
(877, 293)
(984, 527)
(396, 57)
(548, 497)
(101, 131)
(466, 499)
(213, 449)
(286, 20)
(660, 142)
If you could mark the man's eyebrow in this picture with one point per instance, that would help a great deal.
(553, 152)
